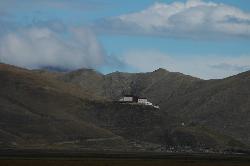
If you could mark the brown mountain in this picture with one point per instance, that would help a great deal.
(39, 111)
(114, 85)
(222, 106)
(44, 109)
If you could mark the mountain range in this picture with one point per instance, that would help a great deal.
(46, 109)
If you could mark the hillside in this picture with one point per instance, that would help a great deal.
(41, 112)
(44, 109)
(222, 106)
(113, 86)
(37, 111)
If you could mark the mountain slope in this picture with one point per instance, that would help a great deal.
(114, 85)
(36, 110)
(42, 109)
(222, 105)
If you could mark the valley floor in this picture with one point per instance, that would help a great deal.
(70, 158)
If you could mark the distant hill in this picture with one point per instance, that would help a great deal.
(44, 109)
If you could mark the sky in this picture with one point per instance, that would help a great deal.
(209, 39)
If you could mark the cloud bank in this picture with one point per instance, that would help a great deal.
(205, 67)
(37, 47)
(191, 19)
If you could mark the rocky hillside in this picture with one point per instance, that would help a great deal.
(44, 109)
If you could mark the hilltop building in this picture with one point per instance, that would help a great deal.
(129, 99)
(137, 100)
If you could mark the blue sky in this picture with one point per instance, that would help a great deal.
(203, 38)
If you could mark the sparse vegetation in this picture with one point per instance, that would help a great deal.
(77, 110)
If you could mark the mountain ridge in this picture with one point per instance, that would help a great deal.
(81, 106)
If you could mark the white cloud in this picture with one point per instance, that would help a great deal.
(206, 67)
(193, 18)
(37, 47)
